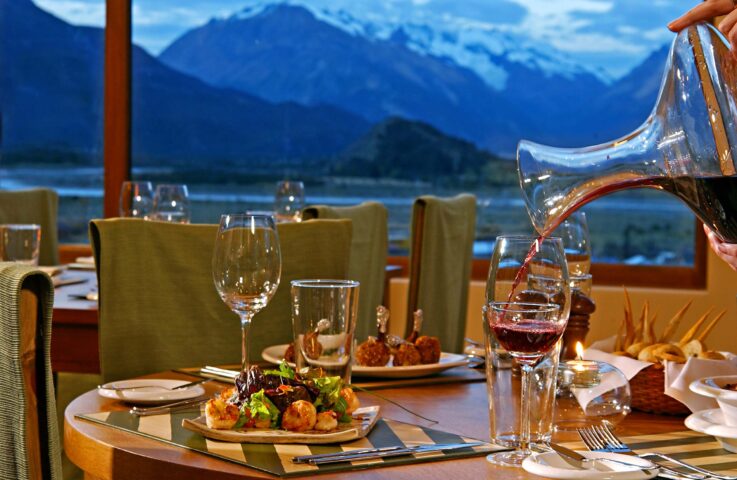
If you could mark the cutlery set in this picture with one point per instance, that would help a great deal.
(374, 453)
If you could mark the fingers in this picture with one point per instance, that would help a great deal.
(728, 26)
(726, 251)
(702, 11)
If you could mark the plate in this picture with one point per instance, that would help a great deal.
(275, 353)
(711, 422)
(712, 386)
(150, 396)
(551, 465)
(364, 420)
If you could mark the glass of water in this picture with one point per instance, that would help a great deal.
(171, 203)
(136, 199)
(289, 200)
(20, 243)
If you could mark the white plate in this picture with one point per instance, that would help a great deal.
(712, 386)
(711, 422)
(150, 396)
(364, 420)
(551, 465)
(275, 354)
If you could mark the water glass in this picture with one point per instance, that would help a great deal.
(171, 204)
(323, 319)
(136, 199)
(289, 201)
(574, 232)
(20, 243)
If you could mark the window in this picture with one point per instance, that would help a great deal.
(389, 100)
(51, 89)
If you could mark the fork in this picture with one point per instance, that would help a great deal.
(602, 439)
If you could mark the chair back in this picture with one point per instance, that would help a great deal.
(39, 206)
(158, 307)
(30, 446)
(441, 252)
(369, 247)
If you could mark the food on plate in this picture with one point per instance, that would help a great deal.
(637, 338)
(406, 355)
(427, 346)
(282, 399)
(374, 352)
(289, 353)
(730, 386)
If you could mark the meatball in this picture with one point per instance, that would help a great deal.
(300, 416)
(372, 353)
(351, 399)
(406, 355)
(429, 348)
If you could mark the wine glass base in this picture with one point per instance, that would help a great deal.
(508, 459)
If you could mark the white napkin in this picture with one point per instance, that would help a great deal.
(678, 376)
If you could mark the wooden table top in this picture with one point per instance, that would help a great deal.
(106, 453)
(74, 336)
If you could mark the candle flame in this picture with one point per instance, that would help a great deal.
(579, 351)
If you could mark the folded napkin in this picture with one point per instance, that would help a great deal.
(678, 376)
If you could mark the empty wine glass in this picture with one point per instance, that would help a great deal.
(171, 203)
(289, 201)
(574, 231)
(246, 267)
(525, 319)
(136, 199)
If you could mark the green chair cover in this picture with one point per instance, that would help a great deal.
(39, 206)
(441, 251)
(158, 307)
(30, 445)
(368, 256)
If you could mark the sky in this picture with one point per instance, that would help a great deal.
(608, 35)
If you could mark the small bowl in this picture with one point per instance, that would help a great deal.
(713, 387)
(729, 410)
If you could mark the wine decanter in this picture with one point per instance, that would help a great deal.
(687, 146)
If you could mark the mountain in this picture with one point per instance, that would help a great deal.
(285, 52)
(176, 118)
(402, 149)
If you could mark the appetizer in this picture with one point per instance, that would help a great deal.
(374, 352)
(282, 399)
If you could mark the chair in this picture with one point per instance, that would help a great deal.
(159, 309)
(368, 256)
(39, 206)
(441, 251)
(30, 446)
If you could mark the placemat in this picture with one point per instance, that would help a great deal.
(692, 447)
(453, 375)
(276, 459)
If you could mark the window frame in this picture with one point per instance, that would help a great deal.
(117, 168)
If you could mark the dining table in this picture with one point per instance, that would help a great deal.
(103, 452)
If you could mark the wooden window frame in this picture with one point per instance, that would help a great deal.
(117, 167)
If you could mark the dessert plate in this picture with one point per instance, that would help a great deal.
(711, 422)
(714, 386)
(551, 465)
(275, 354)
(150, 396)
(364, 420)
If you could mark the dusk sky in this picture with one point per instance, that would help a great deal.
(613, 35)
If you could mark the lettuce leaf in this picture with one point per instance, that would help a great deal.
(329, 397)
(284, 371)
(262, 408)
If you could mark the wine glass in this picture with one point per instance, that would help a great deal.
(246, 267)
(574, 231)
(526, 319)
(289, 201)
(136, 199)
(171, 203)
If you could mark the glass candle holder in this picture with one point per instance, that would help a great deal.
(590, 393)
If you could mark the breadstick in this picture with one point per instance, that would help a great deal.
(695, 328)
(629, 338)
(652, 338)
(673, 323)
(702, 336)
(643, 324)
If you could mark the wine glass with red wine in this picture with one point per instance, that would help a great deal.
(525, 319)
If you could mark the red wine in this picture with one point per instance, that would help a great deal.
(534, 248)
(528, 336)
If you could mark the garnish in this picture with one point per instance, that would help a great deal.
(262, 408)
(284, 371)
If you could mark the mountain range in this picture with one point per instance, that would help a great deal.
(281, 84)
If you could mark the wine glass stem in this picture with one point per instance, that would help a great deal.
(524, 427)
(246, 318)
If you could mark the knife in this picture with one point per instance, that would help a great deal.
(372, 453)
(581, 462)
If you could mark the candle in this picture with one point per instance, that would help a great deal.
(583, 373)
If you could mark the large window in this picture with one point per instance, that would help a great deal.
(389, 100)
(51, 108)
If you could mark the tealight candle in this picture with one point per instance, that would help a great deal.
(583, 373)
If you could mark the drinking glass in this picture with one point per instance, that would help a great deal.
(136, 199)
(574, 231)
(324, 319)
(20, 243)
(526, 322)
(246, 267)
(289, 201)
(171, 204)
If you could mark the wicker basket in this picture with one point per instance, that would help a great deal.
(648, 396)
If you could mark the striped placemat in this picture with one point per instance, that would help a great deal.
(276, 459)
(692, 447)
